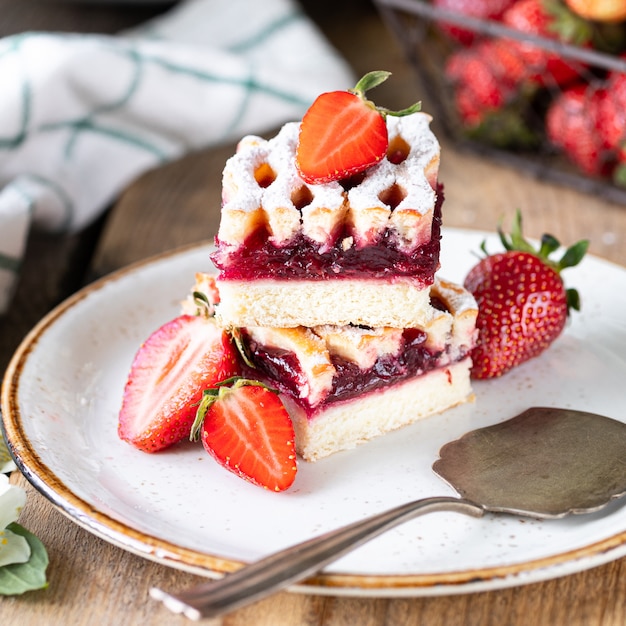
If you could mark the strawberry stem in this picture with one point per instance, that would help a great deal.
(373, 79)
(549, 244)
(516, 240)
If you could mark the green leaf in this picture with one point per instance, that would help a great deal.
(371, 80)
(573, 300)
(574, 254)
(18, 578)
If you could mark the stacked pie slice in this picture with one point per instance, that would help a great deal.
(333, 288)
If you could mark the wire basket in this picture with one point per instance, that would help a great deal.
(416, 25)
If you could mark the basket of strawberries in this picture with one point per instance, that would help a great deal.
(538, 84)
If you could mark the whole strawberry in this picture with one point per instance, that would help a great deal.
(490, 91)
(493, 94)
(482, 74)
(523, 304)
(573, 125)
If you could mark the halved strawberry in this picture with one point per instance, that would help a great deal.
(245, 427)
(167, 377)
(343, 133)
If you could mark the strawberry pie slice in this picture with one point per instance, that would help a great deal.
(344, 385)
(362, 250)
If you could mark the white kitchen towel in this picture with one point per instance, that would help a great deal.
(81, 115)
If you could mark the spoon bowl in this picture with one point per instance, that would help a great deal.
(543, 463)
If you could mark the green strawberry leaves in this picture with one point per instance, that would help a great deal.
(574, 254)
(373, 79)
(548, 245)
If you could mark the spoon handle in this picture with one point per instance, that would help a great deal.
(258, 580)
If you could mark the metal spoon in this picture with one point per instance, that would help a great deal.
(544, 463)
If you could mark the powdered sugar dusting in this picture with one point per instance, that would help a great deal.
(261, 185)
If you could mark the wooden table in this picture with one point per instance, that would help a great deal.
(92, 582)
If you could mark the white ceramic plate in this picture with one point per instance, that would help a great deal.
(62, 392)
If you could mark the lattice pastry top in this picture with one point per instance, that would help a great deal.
(261, 188)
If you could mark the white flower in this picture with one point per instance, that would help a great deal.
(13, 548)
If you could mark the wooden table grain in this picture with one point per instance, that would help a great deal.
(93, 582)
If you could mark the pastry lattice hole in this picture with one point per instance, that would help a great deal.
(264, 175)
(438, 303)
(302, 197)
(392, 196)
(352, 181)
(398, 150)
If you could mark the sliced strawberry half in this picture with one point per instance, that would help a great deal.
(343, 133)
(245, 427)
(167, 378)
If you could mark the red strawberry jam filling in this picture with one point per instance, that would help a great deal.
(259, 259)
(282, 369)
